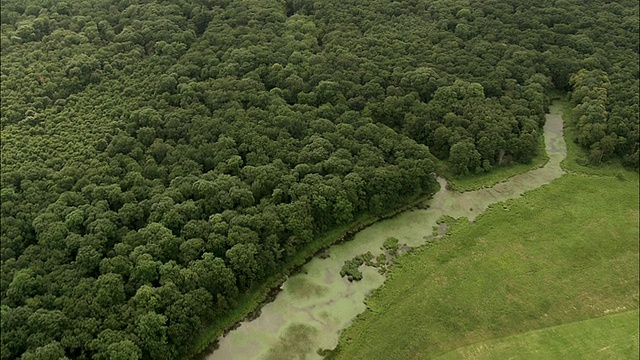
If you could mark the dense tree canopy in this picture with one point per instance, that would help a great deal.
(159, 158)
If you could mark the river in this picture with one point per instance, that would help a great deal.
(317, 303)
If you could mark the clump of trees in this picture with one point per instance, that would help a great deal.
(160, 158)
(602, 128)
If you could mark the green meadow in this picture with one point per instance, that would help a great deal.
(607, 337)
(524, 271)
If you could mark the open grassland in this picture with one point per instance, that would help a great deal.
(562, 253)
(608, 337)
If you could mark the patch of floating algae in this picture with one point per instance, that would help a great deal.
(299, 286)
(317, 303)
(295, 343)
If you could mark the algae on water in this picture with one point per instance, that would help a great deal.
(297, 340)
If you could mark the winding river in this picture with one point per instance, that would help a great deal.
(317, 303)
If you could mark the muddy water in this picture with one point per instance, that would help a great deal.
(317, 303)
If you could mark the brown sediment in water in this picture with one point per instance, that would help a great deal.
(317, 302)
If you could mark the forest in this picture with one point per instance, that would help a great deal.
(161, 158)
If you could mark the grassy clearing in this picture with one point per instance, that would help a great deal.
(476, 181)
(562, 253)
(607, 337)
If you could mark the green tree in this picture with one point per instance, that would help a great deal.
(151, 328)
(52, 351)
(124, 350)
(464, 158)
(242, 259)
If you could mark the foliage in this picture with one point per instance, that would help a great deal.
(351, 270)
(476, 181)
(391, 245)
(577, 159)
(606, 125)
(160, 159)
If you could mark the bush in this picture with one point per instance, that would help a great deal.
(391, 245)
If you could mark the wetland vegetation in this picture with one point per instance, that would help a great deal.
(166, 165)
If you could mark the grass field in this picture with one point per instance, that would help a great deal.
(561, 254)
(607, 337)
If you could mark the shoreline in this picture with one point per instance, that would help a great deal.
(270, 289)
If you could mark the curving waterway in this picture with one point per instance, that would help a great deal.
(317, 303)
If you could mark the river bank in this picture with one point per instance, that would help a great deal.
(317, 303)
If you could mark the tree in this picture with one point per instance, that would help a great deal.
(242, 259)
(343, 209)
(110, 290)
(423, 80)
(23, 286)
(157, 234)
(46, 326)
(51, 351)
(124, 350)
(191, 250)
(151, 328)
(88, 259)
(213, 275)
(464, 158)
